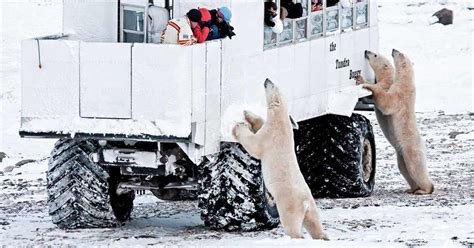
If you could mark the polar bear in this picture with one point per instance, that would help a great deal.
(272, 142)
(394, 98)
(384, 76)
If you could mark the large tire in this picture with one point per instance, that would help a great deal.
(233, 196)
(82, 194)
(336, 155)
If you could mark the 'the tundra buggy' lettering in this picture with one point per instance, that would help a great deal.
(342, 64)
(354, 74)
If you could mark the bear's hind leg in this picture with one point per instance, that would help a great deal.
(313, 224)
(415, 162)
(403, 170)
(291, 217)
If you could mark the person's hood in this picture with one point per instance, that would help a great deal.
(205, 14)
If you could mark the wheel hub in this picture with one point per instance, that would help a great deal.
(366, 160)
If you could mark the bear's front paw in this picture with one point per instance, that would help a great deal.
(359, 80)
(367, 86)
(248, 115)
(237, 128)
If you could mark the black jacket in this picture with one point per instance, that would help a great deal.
(225, 29)
(295, 10)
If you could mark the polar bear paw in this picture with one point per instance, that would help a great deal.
(237, 130)
(360, 80)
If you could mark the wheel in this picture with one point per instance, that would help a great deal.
(232, 194)
(82, 194)
(336, 155)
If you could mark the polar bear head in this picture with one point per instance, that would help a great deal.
(384, 70)
(403, 64)
(274, 98)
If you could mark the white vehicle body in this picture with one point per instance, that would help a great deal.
(88, 83)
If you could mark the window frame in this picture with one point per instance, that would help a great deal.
(136, 8)
(168, 4)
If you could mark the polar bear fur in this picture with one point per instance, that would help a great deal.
(394, 97)
(272, 142)
(384, 76)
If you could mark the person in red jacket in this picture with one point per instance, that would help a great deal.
(202, 31)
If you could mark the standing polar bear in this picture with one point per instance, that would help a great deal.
(394, 96)
(272, 142)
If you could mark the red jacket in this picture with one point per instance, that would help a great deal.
(199, 32)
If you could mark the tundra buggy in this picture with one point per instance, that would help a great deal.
(132, 114)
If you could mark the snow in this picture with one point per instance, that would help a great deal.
(389, 218)
(442, 55)
(465, 136)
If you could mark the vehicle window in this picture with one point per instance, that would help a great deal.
(362, 12)
(287, 35)
(347, 17)
(332, 17)
(301, 24)
(134, 27)
(316, 18)
(133, 24)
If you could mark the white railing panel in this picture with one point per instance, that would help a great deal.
(53, 90)
(105, 80)
(162, 86)
(213, 97)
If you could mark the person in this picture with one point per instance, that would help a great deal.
(331, 3)
(343, 3)
(220, 24)
(274, 21)
(283, 13)
(180, 30)
(295, 10)
(201, 31)
(158, 18)
(316, 5)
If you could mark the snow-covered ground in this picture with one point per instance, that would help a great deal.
(388, 218)
(444, 66)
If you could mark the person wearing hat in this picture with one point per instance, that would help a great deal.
(180, 30)
(202, 31)
(221, 14)
(220, 24)
(273, 21)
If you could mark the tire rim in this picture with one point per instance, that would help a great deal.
(366, 160)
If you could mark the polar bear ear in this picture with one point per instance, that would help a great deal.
(294, 124)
